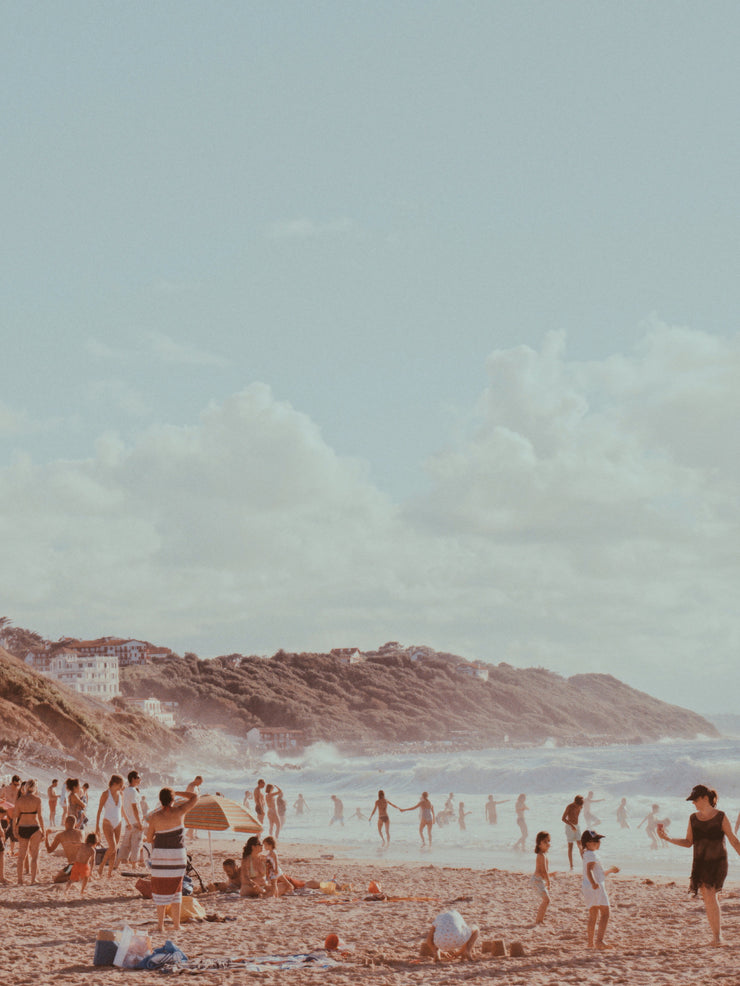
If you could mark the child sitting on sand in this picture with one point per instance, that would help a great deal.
(277, 882)
(450, 937)
(540, 879)
(594, 891)
(82, 866)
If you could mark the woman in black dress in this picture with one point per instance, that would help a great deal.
(707, 829)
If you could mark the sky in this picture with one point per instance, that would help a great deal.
(332, 323)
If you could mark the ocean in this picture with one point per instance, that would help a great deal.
(550, 776)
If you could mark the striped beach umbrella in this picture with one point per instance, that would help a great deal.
(214, 813)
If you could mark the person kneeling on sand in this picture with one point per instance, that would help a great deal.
(70, 839)
(450, 937)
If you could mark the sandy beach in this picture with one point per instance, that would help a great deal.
(659, 933)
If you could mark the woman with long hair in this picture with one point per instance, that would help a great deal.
(75, 804)
(384, 822)
(426, 816)
(253, 869)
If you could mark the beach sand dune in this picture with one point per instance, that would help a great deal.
(659, 933)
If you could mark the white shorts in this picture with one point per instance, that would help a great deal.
(595, 897)
(572, 835)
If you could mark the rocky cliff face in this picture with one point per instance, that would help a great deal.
(45, 725)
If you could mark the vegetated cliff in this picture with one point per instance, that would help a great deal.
(390, 697)
(43, 723)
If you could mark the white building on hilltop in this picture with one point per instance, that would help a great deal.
(95, 675)
(127, 651)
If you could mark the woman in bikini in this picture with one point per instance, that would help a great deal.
(166, 834)
(253, 869)
(28, 826)
(426, 816)
(381, 806)
(110, 809)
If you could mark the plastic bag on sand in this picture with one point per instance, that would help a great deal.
(133, 946)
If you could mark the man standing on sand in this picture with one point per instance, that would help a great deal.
(53, 795)
(572, 831)
(194, 788)
(129, 847)
(259, 800)
(70, 839)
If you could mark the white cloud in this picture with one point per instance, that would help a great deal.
(171, 350)
(304, 229)
(101, 350)
(158, 345)
(122, 395)
(587, 521)
(10, 421)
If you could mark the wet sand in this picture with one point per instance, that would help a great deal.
(658, 932)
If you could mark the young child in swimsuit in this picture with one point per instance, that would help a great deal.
(540, 879)
(277, 881)
(82, 866)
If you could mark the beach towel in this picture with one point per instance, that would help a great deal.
(258, 963)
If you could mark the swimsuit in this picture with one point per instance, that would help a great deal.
(26, 831)
(79, 871)
(112, 810)
(709, 868)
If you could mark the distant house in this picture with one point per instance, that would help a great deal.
(127, 651)
(347, 655)
(95, 675)
(156, 709)
(475, 669)
(420, 654)
(276, 738)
